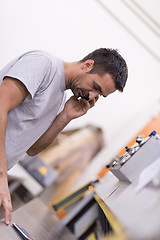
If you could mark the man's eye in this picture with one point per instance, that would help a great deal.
(96, 87)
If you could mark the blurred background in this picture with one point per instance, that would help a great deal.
(71, 29)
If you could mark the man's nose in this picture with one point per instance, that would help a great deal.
(93, 95)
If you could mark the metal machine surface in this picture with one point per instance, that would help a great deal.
(140, 155)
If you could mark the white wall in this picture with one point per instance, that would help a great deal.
(73, 28)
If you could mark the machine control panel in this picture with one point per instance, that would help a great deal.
(128, 166)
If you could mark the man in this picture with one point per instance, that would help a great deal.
(32, 102)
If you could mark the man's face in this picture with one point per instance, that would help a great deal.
(91, 86)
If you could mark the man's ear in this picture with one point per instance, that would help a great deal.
(88, 65)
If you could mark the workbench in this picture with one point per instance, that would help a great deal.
(38, 221)
(132, 215)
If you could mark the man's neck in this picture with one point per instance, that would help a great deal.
(71, 69)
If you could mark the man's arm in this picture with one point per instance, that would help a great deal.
(74, 108)
(12, 93)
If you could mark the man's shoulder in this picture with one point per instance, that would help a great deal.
(40, 53)
(42, 56)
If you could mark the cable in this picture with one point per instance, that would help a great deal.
(146, 14)
(142, 19)
(128, 30)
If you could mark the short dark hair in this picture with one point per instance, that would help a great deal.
(107, 60)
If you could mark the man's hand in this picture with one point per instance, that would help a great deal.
(5, 199)
(75, 108)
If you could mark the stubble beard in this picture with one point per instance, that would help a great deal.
(77, 91)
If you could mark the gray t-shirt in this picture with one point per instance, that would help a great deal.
(43, 76)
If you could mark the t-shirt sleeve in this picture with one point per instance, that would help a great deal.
(31, 70)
